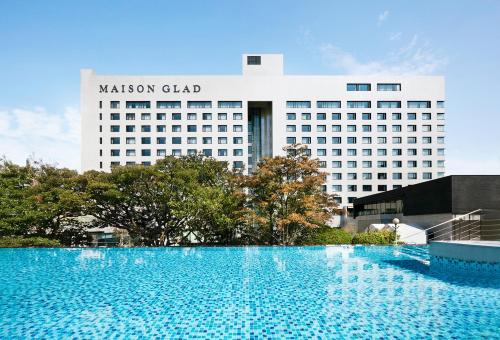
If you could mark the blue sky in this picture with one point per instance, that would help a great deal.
(45, 43)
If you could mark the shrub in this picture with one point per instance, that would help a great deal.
(20, 242)
(374, 237)
(328, 235)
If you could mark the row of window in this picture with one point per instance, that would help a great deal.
(175, 116)
(174, 104)
(175, 128)
(290, 104)
(364, 128)
(208, 153)
(379, 152)
(379, 176)
(368, 87)
(175, 152)
(175, 140)
(364, 104)
(383, 164)
(365, 116)
(364, 140)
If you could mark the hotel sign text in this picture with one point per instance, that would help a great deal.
(167, 88)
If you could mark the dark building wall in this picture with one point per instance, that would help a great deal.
(451, 194)
(476, 192)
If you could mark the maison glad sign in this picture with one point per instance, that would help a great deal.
(167, 88)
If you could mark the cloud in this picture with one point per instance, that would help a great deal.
(382, 17)
(416, 57)
(395, 36)
(36, 133)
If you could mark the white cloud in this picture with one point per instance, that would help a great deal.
(416, 57)
(54, 138)
(382, 17)
(395, 36)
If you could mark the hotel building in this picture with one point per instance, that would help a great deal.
(370, 133)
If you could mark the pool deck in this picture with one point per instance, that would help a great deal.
(481, 251)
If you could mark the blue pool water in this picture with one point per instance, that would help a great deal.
(250, 292)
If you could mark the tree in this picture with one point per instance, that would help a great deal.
(285, 198)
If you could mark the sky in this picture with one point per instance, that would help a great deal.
(44, 44)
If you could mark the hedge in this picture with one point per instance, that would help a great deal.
(20, 242)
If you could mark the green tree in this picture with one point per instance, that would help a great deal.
(285, 198)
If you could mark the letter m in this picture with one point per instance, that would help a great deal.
(103, 88)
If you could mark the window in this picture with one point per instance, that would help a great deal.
(388, 87)
(397, 140)
(337, 188)
(237, 116)
(321, 116)
(321, 152)
(396, 128)
(145, 116)
(130, 140)
(338, 140)
(138, 105)
(130, 152)
(359, 104)
(440, 116)
(238, 128)
(114, 104)
(352, 175)
(145, 128)
(328, 104)
(359, 87)
(291, 128)
(382, 175)
(351, 140)
(351, 116)
(366, 140)
(367, 116)
(336, 152)
(161, 140)
(412, 116)
(367, 188)
(192, 140)
(440, 140)
(396, 116)
(427, 152)
(176, 116)
(351, 128)
(397, 152)
(411, 152)
(440, 104)
(115, 152)
(298, 104)
(191, 116)
(238, 164)
(199, 104)
(367, 128)
(130, 116)
(161, 128)
(412, 175)
(397, 175)
(291, 116)
(222, 152)
(427, 175)
(426, 128)
(367, 164)
(382, 187)
(426, 116)
(207, 116)
(206, 140)
(306, 140)
(415, 104)
(291, 140)
(321, 140)
(238, 152)
(161, 116)
(389, 104)
(412, 164)
(440, 164)
(176, 128)
(321, 128)
(336, 128)
(168, 105)
(381, 116)
(176, 140)
(306, 116)
(114, 116)
(115, 140)
(426, 140)
(427, 164)
(335, 116)
(206, 128)
(161, 152)
(145, 140)
(411, 128)
(207, 152)
(336, 175)
(115, 128)
(191, 152)
(397, 164)
(253, 60)
(351, 152)
(130, 128)
(336, 164)
(381, 164)
(145, 152)
(352, 164)
(381, 128)
(367, 175)
(412, 140)
(352, 187)
(222, 140)
(440, 152)
(191, 128)
(222, 116)
(237, 140)
(381, 152)
(229, 104)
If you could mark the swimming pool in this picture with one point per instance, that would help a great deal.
(247, 292)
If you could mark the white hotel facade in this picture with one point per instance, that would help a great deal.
(370, 133)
